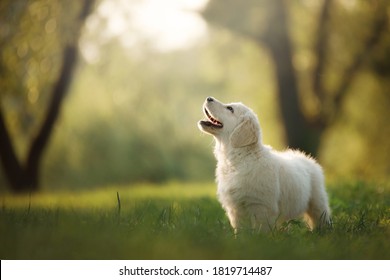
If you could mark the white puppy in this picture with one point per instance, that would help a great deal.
(258, 186)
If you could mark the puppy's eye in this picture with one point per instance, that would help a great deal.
(230, 108)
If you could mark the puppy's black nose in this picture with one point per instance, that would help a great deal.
(210, 99)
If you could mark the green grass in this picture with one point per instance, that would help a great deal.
(184, 221)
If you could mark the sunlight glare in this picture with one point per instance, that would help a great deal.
(164, 25)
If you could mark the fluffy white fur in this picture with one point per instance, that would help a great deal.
(257, 186)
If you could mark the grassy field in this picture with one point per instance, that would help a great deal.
(184, 221)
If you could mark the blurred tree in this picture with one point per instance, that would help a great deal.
(35, 37)
(267, 22)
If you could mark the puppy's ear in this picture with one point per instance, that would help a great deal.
(244, 134)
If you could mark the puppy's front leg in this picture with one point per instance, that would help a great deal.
(262, 218)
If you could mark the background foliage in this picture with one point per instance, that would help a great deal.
(131, 112)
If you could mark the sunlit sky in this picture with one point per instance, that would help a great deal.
(166, 25)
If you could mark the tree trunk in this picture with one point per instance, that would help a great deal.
(25, 178)
(299, 134)
(13, 170)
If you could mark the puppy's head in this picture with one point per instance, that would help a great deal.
(232, 124)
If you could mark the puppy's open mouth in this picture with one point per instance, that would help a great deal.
(211, 120)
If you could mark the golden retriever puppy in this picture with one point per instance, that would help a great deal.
(257, 186)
